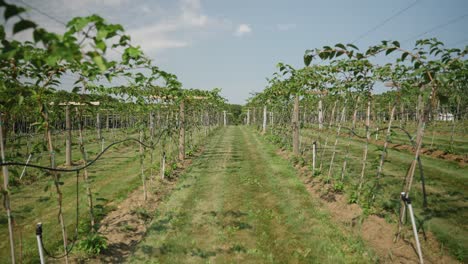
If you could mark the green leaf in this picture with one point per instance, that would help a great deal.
(339, 53)
(396, 43)
(352, 46)
(417, 64)
(101, 45)
(23, 25)
(78, 23)
(133, 52)
(307, 59)
(390, 51)
(404, 55)
(51, 60)
(12, 10)
(339, 45)
(76, 89)
(38, 34)
(100, 62)
(102, 34)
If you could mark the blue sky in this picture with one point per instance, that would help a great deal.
(235, 45)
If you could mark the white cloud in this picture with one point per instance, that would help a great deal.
(113, 3)
(191, 13)
(286, 27)
(243, 29)
(163, 34)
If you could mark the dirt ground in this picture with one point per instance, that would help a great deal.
(375, 231)
(127, 225)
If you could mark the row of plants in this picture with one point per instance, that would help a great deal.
(330, 108)
(114, 101)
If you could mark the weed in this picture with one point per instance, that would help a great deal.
(93, 244)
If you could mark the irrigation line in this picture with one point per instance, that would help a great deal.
(77, 170)
(87, 165)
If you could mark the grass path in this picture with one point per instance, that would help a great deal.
(241, 203)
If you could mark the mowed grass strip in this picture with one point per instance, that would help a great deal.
(241, 203)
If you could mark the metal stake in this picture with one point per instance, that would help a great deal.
(39, 241)
(407, 201)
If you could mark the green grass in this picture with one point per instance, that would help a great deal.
(446, 184)
(239, 202)
(113, 178)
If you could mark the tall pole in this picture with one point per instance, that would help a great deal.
(264, 119)
(248, 116)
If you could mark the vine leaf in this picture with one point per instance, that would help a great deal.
(307, 59)
(23, 25)
(12, 10)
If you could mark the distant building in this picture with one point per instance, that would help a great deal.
(445, 117)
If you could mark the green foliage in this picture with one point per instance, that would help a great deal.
(338, 187)
(92, 244)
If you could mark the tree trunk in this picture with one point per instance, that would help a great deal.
(182, 131)
(6, 196)
(320, 114)
(86, 177)
(338, 130)
(151, 121)
(224, 118)
(56, 182)
(414, 162)
(68, 139)
(345, 161)
(366, 148)
(295, 125)
(142, 159)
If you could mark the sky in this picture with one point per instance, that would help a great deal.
(235, 45)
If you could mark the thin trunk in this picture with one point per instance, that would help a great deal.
(182, 131)
(68, 139)
(56, 183)
(6, 196)
(86, 177)
(338, 130)
(333, 113)
(410, 174)
(224, 118)
(366, 148)
(142, 159)
(163, 165)
(320, 114)
(295, 125)
(152, 144)
(345, 160)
